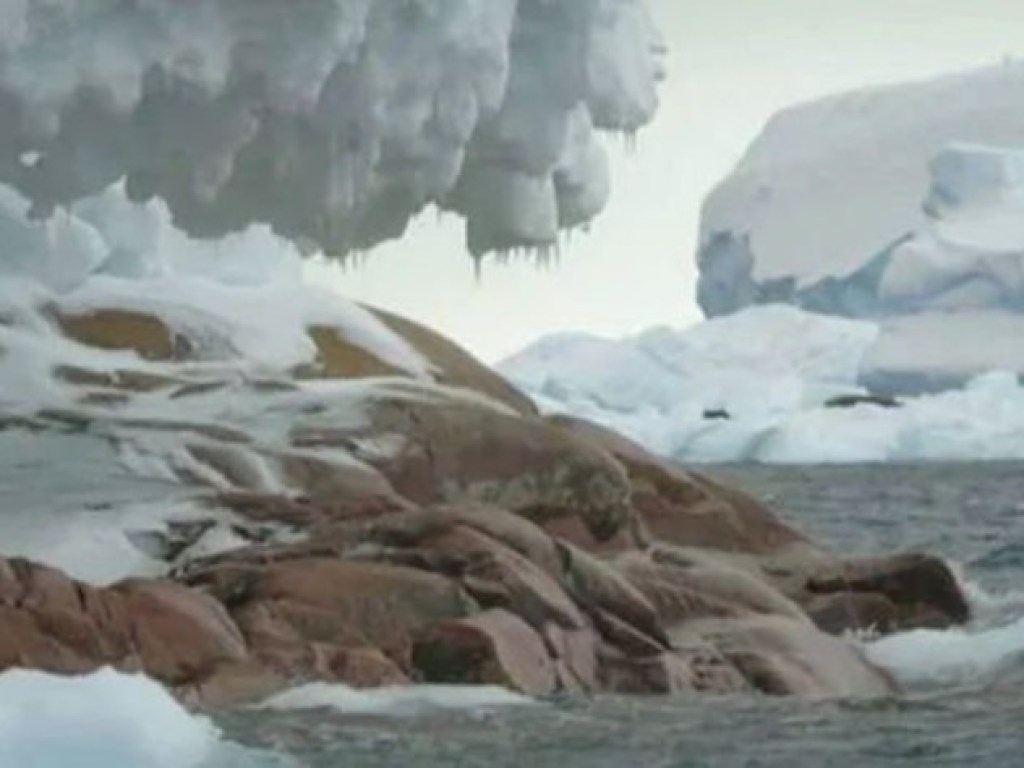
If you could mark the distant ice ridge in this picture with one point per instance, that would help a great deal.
(106, 719)
(334, 121)
(903, 205)
(770, 384)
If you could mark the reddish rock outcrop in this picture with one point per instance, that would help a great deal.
(494, 647)
(888, 594)
(447, 533)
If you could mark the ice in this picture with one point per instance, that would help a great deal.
(104, 719)
(395, 701)
(903, 206)
(336, 125)
(934, 350)
(830, 184)
(763, 359)
(761, 385)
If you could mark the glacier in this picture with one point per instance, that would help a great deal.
(769, 384)
(334, 125)
(901, 205)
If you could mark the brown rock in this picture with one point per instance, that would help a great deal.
(600, 589)
(575, 655)
(457, 449)
(233, 684)
(695, 667)
(780, 656)
(179, 634)
(343, 603)
(119, 329)
(572, 530)
(684, 508)
(527, 590)
(494, 647)
(357, 667)
(853, 611)
(341, 358)
(49, 622)
(412, 528)
(663, 674)
(921, 587)
(684, 585)
(454, 366)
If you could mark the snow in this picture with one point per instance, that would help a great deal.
(104, 719)
(395, 701)
(334, 126)
(773, 370)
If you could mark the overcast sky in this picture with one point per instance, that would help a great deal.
(733, 63)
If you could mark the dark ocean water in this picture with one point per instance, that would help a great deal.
(972, 514)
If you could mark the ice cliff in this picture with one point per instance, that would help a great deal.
(900, 205)
(334, 122)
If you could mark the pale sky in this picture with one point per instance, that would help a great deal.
(733, 63)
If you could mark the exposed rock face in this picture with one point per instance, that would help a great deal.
(495, 647)
(450, 534)
(889, 594)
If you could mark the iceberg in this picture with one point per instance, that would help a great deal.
(900, 205)
(769, 384)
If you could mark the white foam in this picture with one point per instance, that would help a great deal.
(395, 701)
(952, 657)
(104, 719)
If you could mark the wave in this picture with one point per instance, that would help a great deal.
(977, 655)
(396, 700)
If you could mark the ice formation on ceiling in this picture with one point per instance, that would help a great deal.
(333, 121)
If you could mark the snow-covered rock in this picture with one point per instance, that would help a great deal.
(334, 125)
(902, 205)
